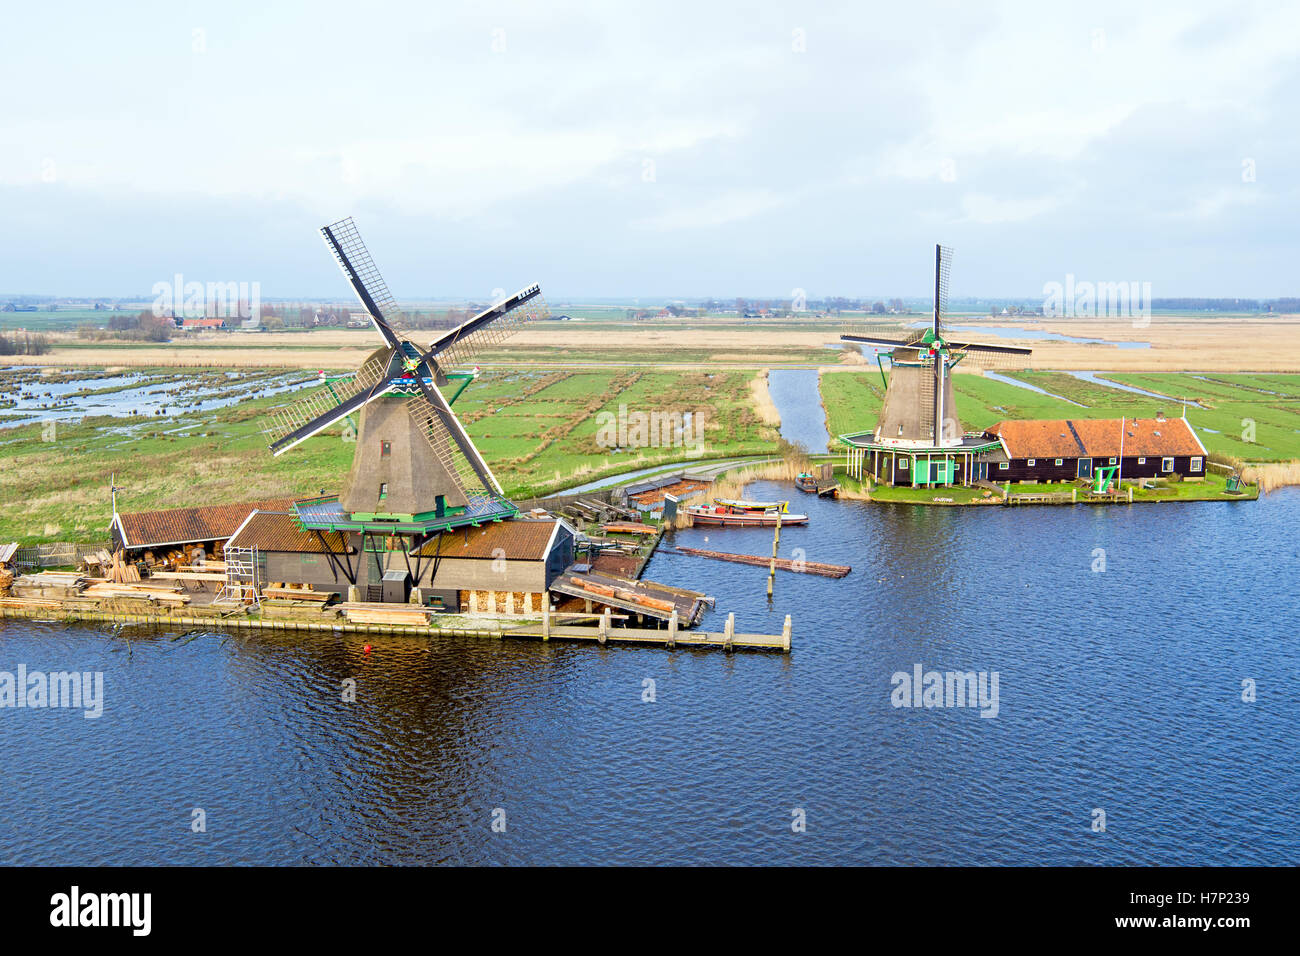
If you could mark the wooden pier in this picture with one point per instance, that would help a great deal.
(603, 632)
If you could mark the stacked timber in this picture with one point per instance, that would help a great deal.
(629, 595)
(49, 585)
(405, 615)
(150, 593)
(296, 592)
(627, 527)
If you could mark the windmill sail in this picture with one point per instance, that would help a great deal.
(354, 259)
(456, 347)
(330, 403)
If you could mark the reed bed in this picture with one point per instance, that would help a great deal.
(1272, 475)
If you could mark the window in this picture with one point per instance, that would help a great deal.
(383, 490)
(385, 449)
(1166, 464)
(1060, 461)
(1111, 462)
(1142, 461)
(1031, 462)
(1196, 464)
(1004, 465)
(902, 464)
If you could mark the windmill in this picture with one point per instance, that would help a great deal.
(919, 417)
(415, 470)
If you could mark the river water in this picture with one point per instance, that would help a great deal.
(1121, 637)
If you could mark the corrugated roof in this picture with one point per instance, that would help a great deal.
(519, 539)
(148, 529)
(279, 531)
(1097, 437)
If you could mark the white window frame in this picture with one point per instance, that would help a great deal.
(1196, 465)
(903, 464)
(1142, 461)
(1111, 462)
(1031, 462)
(1060, 461)
(1167, 465)
(1003, 465)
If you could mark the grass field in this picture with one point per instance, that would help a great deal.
(1250, 417)
(537, 428)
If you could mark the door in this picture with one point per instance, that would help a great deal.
(1085, 467)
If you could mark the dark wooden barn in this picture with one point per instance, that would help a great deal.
(1065, 449)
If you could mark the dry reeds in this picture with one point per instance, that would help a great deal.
(762, 398)
(1272, 475)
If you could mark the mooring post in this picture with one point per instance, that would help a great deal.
(546, 619)
(1074, 496)
(672, 629)
(1130, 494)
(603, 631)
(785, 634)
(729, 635)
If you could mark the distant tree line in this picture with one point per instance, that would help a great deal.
(1286, 304)
(144, 327)
(24, 343)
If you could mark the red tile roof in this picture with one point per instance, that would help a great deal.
(1097, 437)
(151, 529)
(519, 539)
(277, 531)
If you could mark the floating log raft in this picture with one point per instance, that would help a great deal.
(785, 564)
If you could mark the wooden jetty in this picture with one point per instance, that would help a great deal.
(604, 632)
(785, 564)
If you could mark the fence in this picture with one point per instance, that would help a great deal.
(57, 554)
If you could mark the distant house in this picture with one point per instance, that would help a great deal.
(203, 323)
(1063, 450)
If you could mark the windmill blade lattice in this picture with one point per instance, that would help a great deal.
(491, 327)
(363, 275)
(453, 448)
(327, 404)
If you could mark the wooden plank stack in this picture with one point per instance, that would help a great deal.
(409, 615)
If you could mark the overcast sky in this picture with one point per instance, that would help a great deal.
(676, 150)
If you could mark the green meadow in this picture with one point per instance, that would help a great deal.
(538, 429)
(1252, 417)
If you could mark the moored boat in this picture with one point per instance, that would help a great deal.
(805, 482)
(725, 514)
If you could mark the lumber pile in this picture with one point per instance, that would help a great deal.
(631, 595)
(296, 593)
(49, 585)
(406, 615)
(152, 593)
(627, 527)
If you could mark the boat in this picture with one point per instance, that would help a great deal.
(728, 515)
(805, 482)
(744, 505)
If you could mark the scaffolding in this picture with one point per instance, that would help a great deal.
(244, 567)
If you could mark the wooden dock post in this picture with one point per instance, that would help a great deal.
(546, 618)
(672, 629)
(603, 632)
(776, 543)
(729, 636)
(1074, 496)
(785, 634)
